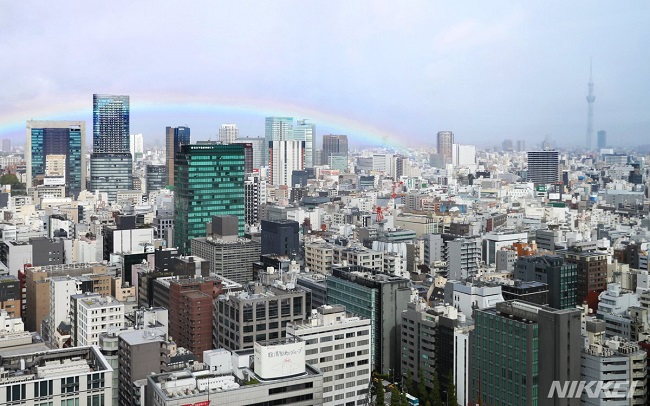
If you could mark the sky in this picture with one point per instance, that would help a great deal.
(377, 71)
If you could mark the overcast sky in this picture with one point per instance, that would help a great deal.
(486, 70)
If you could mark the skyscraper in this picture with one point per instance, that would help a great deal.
(209, 181)
(228, 133)
(111, 123)
(175, 137)
(543, 166)
(285, 157)
(445, 142)
(334, 145)
(590, 110)
(305, 131)
(57, 138)
(602, 139)
(276, 129)
(111, 163)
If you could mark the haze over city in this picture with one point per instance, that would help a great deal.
(485, 70)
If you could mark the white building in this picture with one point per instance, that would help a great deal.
(61, 288)
(286, 156)
(94, 315)
(228, 133)
(339, 346)
(463, 155)
(136, 146)
(468, 296)
(72, 376)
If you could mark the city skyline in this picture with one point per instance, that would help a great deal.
(485, 72)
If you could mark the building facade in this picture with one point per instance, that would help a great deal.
(174, 138)
(543, 167)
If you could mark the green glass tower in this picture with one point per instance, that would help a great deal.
(208, 181)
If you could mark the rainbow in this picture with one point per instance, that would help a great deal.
(81, 108)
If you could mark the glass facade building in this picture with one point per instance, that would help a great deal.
(305, 131)
(111, 172)
(277, 129)
(174, 138)
(57, 138)
(111, 123)
(156, 177)
(209, 181)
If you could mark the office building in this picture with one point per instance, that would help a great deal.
(379, 297)
(10, 295)
(255, 193)
(229, 255)
(276, 129)
(445, 145)
(285, 157)
(174, 138)
(110, 173)
(209, 181)
(280, 237)
(136, 146)
(337, 342)
(463, 155)
(261, 313)
(591, 271)
(260, 148)
(543, 167)
(6, 145)
(335, 148)
(602, 139)
(560, 277)
(71, 376)
(67, 138)
(304, 131)
(156, 177)
(519, 349)
(228, 133)
(467, 296)
(249, 378)
(463, 257)
(532, 291)
(418, 346)
(620, 362)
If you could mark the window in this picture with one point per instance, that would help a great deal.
(69, 385)
(43, 389)
(16, 392)
(95, 400)
(95, 381)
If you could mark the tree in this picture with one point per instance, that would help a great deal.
(436, 399)
(409, 383)
(427, 403)
(9, 179)
(381, 395)
(395, 397)
(422, 388)
(403, 400)
(452, 396)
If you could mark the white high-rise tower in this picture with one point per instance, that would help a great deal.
(590, 110)
(228, 133)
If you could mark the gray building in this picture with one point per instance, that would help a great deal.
(463, 257)
(280, 237)
(111, 172)
(543, 166)
(379, 297)
(261, 312)
(418, 346)
(230, 256)
(156, 177)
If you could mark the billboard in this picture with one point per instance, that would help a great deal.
(279, 359)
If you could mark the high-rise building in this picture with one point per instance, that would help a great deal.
(519, 349)
(305, 131)
(259, 148)
(136, 146)
(445, 142)
(111, 123)
(346, 340)
(6, 145)
(558, 274)
(209, 180)
(463, 155)
(111, 163)
(591, 271)
(379, 297)
(156, 177)
(334, 146)
(276, 129)
(602, 139)
(280, 237)
(93, 314)
(255, 195)
(285, 157)
(463, 256)
(68, 138)
(174, 138)
(543, 166)
(228, 133)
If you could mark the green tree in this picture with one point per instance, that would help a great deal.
(409, 383)
(436, 399)
(427, 403)
(403, 400)
(422, 388)
(395, 397)
(9, 179)
(452, 396)
(381, 394)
